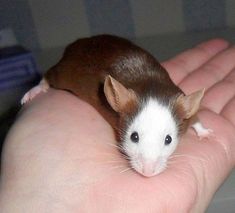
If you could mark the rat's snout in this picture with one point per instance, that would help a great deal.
(149, 167)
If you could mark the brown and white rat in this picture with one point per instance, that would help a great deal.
(133, 92)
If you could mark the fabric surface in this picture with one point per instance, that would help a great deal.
(48, 24)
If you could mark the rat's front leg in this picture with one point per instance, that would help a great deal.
(201, 131)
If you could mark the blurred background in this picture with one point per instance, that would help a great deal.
(34, 33)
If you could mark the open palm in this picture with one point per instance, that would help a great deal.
(60, 156)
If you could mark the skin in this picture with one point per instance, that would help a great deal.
(60, 154)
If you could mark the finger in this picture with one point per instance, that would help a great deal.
(220, 94)
(179, 66)
(228, 111)
(210, 73)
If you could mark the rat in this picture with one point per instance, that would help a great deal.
(133, 92)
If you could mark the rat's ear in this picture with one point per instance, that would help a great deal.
(117, 95)
(190, 103)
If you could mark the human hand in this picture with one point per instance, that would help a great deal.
(60, 155)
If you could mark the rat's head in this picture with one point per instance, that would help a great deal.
(151, 128)
(150, 137)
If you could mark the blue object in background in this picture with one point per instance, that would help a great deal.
(17, 68)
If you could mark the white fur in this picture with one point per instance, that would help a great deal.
(153, 123)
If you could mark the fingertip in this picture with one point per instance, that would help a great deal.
(214, 45)
(190, 60)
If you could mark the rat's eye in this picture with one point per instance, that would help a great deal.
(168, 139)
(135, 137)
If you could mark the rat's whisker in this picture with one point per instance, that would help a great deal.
(188, 156)
(113, 145)
(113, 162)
(166, 166)
(171, 161)
(108, 153)
(126, 157)
(113, 156)
(118, 167)
(125, 170)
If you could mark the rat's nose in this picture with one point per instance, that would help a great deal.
(149, 166)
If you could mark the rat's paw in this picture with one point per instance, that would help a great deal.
(41, 87)
(205, 134)
(202, 132)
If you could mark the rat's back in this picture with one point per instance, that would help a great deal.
(86, 63)
(98, 56)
